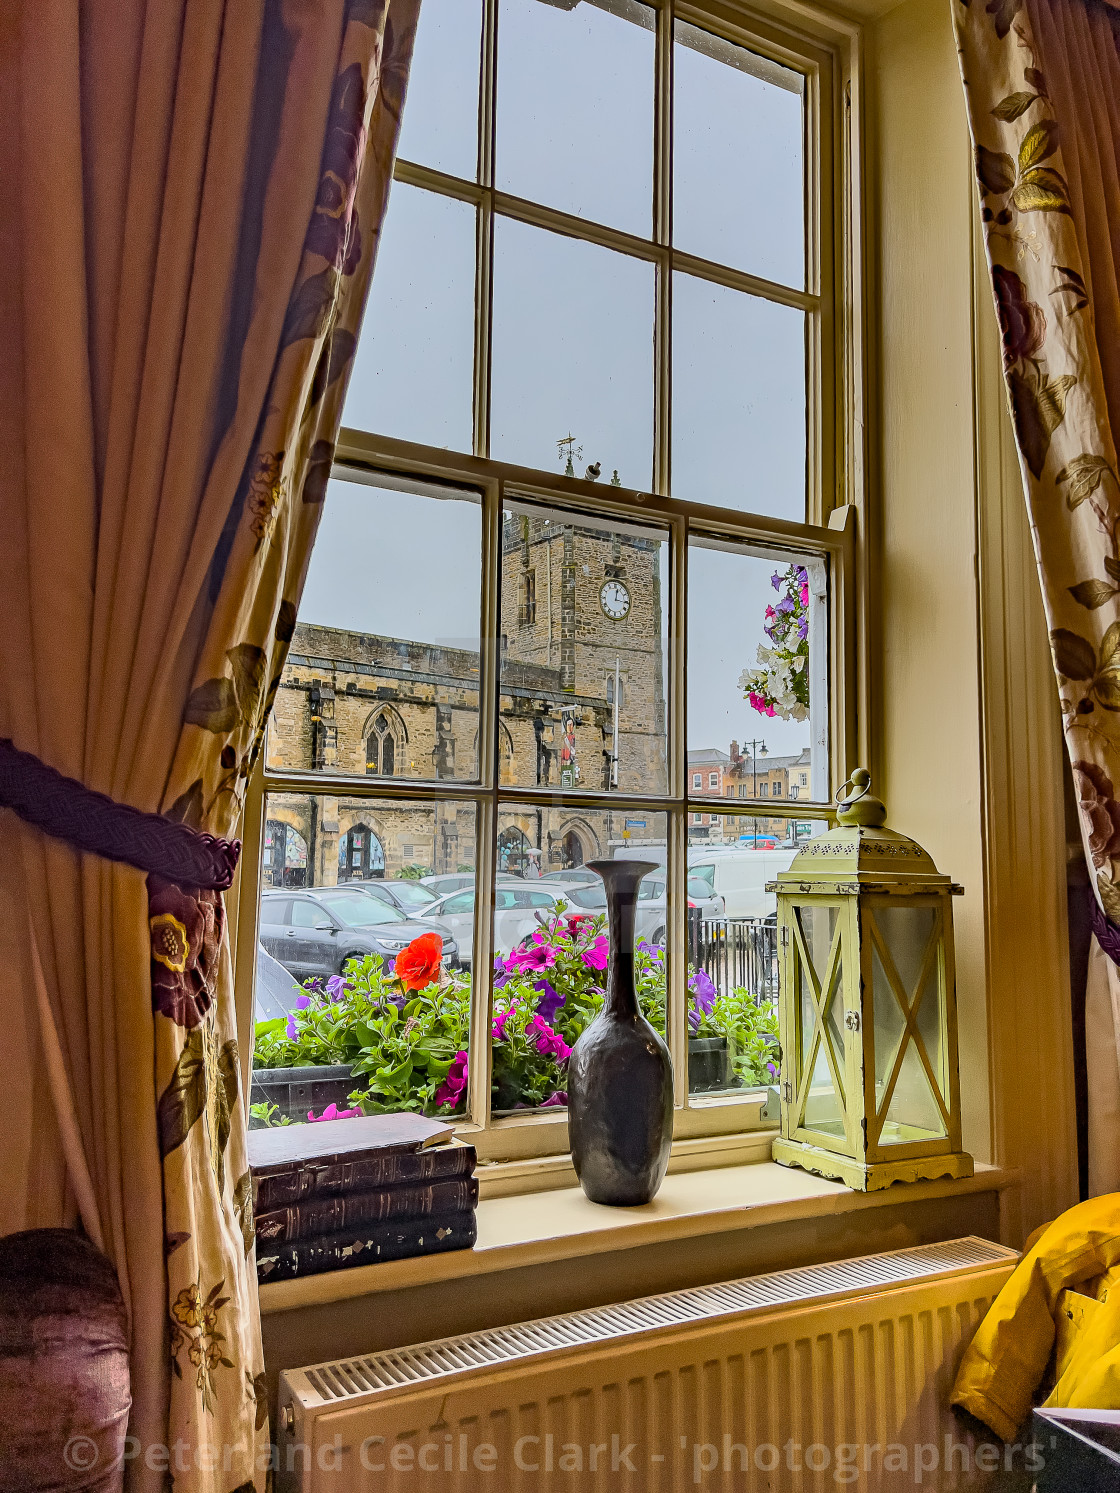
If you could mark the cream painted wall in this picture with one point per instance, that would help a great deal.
(967, 750)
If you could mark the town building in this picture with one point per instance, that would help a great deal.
(577, 672)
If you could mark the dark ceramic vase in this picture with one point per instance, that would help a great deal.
(620, 1075)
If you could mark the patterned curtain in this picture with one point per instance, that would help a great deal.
(1042, 79)
(193, 193)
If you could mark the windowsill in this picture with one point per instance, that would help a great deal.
(541, 1227)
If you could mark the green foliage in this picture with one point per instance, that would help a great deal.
(414, 872)
(268, 1116)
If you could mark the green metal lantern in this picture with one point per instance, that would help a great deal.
(870, 1083)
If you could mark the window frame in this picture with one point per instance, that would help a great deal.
(835, 474)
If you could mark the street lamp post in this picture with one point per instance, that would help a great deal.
(758, 749)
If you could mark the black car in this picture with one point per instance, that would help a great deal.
(316, 932)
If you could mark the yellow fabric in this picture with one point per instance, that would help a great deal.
(192, 191)
(1006, 1360)
(1042, 82)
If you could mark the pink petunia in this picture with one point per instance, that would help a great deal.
(332, 1112)
(596, 954)
(549, 1043)
(498, 1025)
(804, 596)
(538, 956)
(451, 1088)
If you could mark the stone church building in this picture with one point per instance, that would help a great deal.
(579, 607)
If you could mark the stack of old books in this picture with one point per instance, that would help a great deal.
(360, 1190)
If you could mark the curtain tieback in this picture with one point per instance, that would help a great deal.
(92, 821)
(1105, 931)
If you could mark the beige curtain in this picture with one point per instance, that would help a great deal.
(192, 191)
(1042, 78)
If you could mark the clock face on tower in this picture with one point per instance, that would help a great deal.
(614, 599)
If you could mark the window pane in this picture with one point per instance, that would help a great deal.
(439, 126)
(732, 946)
(333, 980)
(382, 674)
(738, 162)
(551, 960)
(600, 611)
(739, 428)
(572, 354)
(413, 370)
(758, 692)
(575, 108)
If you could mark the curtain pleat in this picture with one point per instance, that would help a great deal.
(1042, 81)
(196, 188)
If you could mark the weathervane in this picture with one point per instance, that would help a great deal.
(567, 448)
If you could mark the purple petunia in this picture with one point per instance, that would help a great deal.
(336, 986)
(302, 1002)
(558, 1097)
(703, 990)
(550, 1002)
(776, 581)
(291, 1029)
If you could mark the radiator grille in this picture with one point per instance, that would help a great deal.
(347, 1378)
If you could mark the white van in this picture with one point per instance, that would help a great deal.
(740, 877)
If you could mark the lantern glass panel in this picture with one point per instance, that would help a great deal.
(824, 1107)
(908, 979)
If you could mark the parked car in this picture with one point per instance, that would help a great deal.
(315, 932)
(411, 897)
(577, 876)
(277, 991)
(518, 911)
(457, 880)
(651, 915)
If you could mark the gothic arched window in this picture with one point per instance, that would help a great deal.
(381, 746)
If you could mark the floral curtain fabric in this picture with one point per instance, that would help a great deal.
(1042, 79)
(198, 190)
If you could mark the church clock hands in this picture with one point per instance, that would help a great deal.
(614, 599)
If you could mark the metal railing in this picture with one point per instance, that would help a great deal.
(735, 953)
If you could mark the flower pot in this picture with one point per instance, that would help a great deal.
(296, 1090)
(709, 1065)
(620, 1075)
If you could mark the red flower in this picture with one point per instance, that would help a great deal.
(186, 926)
(1022, 323)
(334, 231)
(418, 965)
(1099, 810)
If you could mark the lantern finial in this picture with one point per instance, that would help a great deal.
(857, 804)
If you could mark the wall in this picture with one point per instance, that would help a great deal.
(967, 751)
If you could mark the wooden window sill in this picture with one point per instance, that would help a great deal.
(538, 1228)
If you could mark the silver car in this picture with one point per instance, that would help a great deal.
(652, 910)
(519, 910)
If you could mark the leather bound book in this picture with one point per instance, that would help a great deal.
(341, 1176)
(331, 1215)
(400, 1240)
(291, 1148)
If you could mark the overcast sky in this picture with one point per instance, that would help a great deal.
(573, 323)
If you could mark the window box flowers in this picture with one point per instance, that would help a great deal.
(395, 1037)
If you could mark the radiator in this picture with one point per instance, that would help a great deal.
(800, 1379)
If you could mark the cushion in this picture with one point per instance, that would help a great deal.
(64, 1380)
